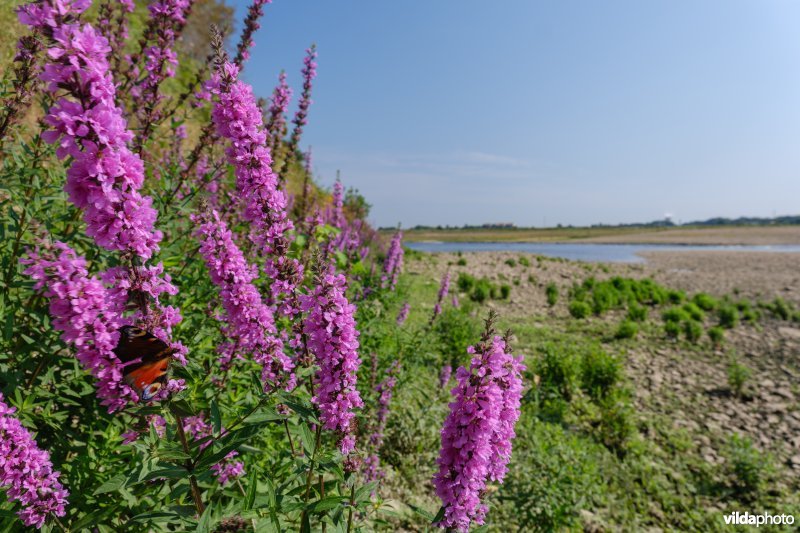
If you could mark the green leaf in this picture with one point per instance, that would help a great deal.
(422, 512)
(216, 418)
(112, 485)
(252, 486)
(204, 525)
(326, 504)
(364, 492)
(181, 408)
(307, 438)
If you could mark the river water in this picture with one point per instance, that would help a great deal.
(607, 253)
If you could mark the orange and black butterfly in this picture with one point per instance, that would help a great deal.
(148, 358)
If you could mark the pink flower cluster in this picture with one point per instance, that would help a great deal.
(27, 473)
(226, 470)
(330, 328)
(444, 376)
(444, 288)
(250, 325)
(105, 176)
(301, 116)
(336, 216)
(276, 120)
(477, 434)
(403, 314)
(393, 264)
(384, 390)
(238, 119)
(89, 314)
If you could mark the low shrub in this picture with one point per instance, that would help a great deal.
(627, 329)
(717, 335)
(637, 313)
(672, 329)
(600, 372)
(461, 262)
(728, 316)
(675, 314)
(465, 282)
(604, 298)
(615, 427)
(524, 261)
(738, 375)
(481, 292)
(505, 291)
(694, 311)
(559, 370)
(511, 262)
(693, 330)
(676, 297)
(780, 308)
(579, 309)
(748, 469)
(705, 301)
(552, 294)
(455, 331)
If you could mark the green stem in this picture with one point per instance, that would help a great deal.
(311, 471)
(198, 501)
(350, 511)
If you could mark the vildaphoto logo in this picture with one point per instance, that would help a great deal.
(763, 519)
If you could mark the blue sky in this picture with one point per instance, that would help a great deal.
(546, 112)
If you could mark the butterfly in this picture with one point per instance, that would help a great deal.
(147, 374)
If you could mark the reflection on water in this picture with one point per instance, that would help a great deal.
(608, 253)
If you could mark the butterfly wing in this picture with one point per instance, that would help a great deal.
(148, 358)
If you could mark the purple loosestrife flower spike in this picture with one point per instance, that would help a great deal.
(249, 323)
(444, 376)
(168, 17)
(477, 434)
(444, 288)
(336, 218)
(238, 119)
(332, 338)
(393, 264)
(301, 116)
(26, 472)
(403, 314)
(115, 28)
(89, 314)
(384, 389)
(251, 25)
(26, 71)
(104, 177)
(276, 119)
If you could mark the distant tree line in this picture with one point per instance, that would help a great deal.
(785, 220)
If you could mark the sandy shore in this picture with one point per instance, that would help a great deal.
(722, 235)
